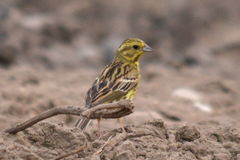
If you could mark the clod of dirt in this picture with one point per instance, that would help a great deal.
(7, 55)
(138, 142)
(187, 133)
(43, 141)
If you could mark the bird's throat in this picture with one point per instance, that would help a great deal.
(131, 60)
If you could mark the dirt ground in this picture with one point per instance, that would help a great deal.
(188, 101)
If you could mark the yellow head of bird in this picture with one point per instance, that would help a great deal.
(132, 49)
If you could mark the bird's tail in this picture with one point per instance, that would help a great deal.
(82, 123)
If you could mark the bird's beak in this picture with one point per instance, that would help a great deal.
(147, 48)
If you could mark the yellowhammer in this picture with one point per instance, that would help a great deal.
(119, 79)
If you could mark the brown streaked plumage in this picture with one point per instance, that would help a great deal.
(119, 79)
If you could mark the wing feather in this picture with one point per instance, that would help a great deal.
(115, 81)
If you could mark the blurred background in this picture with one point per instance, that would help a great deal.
(51, 51)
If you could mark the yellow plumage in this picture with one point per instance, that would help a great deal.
(119, 79)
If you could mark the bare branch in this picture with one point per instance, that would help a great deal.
(106, 111)
(110, 110)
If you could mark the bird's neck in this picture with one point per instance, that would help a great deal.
(124, 60)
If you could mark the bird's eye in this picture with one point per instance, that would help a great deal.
(135, 46)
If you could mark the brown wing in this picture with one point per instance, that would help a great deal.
(113, 83)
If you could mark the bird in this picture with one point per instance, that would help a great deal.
(118, 80)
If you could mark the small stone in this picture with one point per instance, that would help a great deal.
(187, 133)
(157, 123)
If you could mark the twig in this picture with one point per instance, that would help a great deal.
(114, 141)
(72, 153)
(107, 111)
(101, 149)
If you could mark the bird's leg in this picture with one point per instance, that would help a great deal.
(99, 127)
(121, 122)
